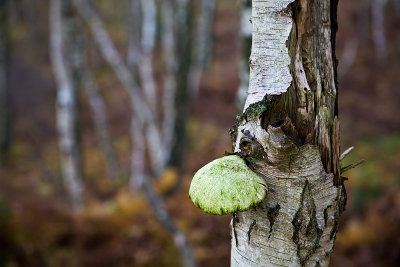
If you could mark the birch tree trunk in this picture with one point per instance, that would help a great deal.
(65, 108)
(378, 29)
(99, 114)
(194, 32)
(169, 81)
(289, 133)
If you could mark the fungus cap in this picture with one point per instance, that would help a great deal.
(227, 185)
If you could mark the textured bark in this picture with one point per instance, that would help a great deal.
(65, 108)
(289, 133)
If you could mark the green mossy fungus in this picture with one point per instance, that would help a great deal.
(227, 185)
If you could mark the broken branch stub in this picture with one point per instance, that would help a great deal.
(227, 185)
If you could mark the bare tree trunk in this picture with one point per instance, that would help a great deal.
(149, 87)
(201, 45)
(135, 17)
(5, 105)
(378, 29)
(65, 108)
(142, 121)
(289, 135)
(351, 47)
(194, 35)
(169, 82)
(147, 45)
(163, 217)
(183, 21)
(99, 113)
(138, 156)
(205, 32)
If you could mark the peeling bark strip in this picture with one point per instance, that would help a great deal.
(269, 60)
(289, 134)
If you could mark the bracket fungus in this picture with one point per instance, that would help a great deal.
(227, 185)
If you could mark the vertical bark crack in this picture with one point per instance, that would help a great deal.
(306, 234)
(326, 215)
(235, 220)
(272, 214)
(249, 231)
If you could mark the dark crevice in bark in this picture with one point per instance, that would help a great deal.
(326, 215)
(306, 234)
(252, 151)
(235, 220)
(274, 113)
(334, 27)
(334, 230)
(342, 200)
(272, 214)
(314, 71)
(252, 225)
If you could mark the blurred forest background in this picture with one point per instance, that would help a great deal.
(109, 107)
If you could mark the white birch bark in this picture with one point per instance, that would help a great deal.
(169, 81)
(378, 29)
(269, 60)
(147, 45)
(65, 108)
(142, 61)
(138, 156)
(297, 222)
